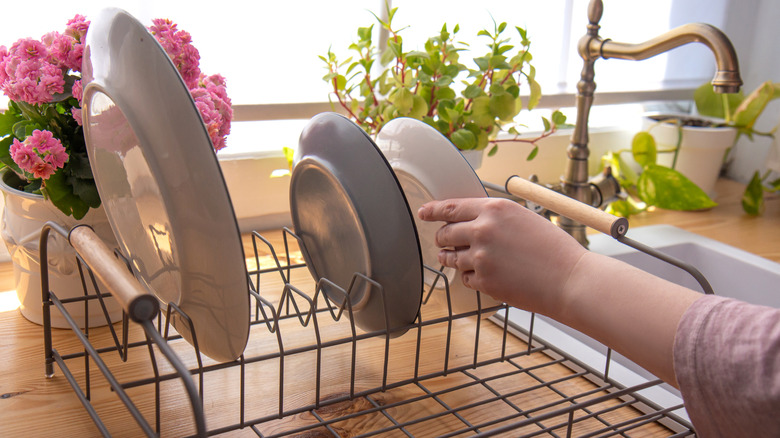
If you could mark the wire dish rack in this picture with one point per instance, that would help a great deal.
(307, 371)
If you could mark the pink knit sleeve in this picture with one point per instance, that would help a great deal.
(727, 363)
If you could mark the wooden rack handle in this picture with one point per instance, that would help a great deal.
(566, 206)
(136, 301)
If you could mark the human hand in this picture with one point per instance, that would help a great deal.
(505, 250)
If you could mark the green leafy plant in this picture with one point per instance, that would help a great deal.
(667, 188)
(742, 112)
(470, 106)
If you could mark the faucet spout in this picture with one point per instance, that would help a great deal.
(575, 182)
(726, 80)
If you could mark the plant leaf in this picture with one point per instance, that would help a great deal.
(472, 91)
(86, 190)
(710, 104)
(60, 194)
(533, 153)
(670, 189)
(419, 107)
(775, 185)
(559, 118)
(502, 106)
(624, 173)
(624, 208)
(7, 121)
(464, 139)
(289, 155)
(444, 93)
(751, 108)
(480, 112)
(403, 100)
(753, 198)
(387, 57)
(536, 93)
(644, 149)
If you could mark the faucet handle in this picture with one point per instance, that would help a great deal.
(593, 217)
(595, 10)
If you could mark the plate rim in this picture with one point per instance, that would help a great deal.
(395, 187)
(423, 167)
(97, 77)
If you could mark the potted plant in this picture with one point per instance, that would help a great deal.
(470, 106)
(46, 173)
(681, 156)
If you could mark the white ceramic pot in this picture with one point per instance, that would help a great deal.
(22, 221)
(702, 150)
(474, 157)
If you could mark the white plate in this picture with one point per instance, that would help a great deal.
(352, 217)
(161, 184)
(429, 167)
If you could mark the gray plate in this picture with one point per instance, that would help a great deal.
(161, 184)
(348, 208)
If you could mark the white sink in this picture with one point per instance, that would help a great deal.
(730, 271)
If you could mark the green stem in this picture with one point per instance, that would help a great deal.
(726, 109)
(679, 143)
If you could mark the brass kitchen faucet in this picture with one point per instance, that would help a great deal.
(603, 188)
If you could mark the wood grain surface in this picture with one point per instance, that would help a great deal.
(32, 405)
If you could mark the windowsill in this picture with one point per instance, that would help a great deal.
(262, 201)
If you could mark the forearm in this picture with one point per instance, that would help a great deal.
(627, 309)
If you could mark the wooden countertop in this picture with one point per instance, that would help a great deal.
(727, 223)
(31, 405)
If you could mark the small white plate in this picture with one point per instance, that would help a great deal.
(349, 211)
(429, 167)
(161, 185)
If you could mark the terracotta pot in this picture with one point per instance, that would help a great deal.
(20, 226)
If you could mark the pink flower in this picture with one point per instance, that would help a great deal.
(65, 51)
(214, 106)
(77, 28)
(30, 72)
(3, 56)
(178, 45)
(76, 113)
(77, 90)
(50, 82)
(28, 48)
(39, 154)
(23, 155)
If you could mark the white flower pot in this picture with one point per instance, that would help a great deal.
(474, 157)
(22, 221)
(702, 150)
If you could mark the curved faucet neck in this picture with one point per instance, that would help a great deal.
(575, 182)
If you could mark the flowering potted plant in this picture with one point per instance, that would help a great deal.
(46, 174)
(468, 106)
(41, 137)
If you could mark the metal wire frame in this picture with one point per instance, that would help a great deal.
(311, 311)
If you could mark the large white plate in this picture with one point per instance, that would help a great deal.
(352, 217)
(161, 184)
(429, 167)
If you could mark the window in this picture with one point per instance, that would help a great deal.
(268, 51)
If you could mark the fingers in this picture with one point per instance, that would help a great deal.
(451, 210)
(453, 235)
(469, 279)
(457, 258)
